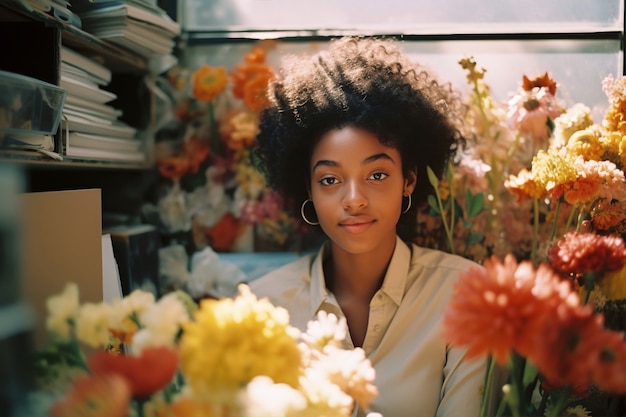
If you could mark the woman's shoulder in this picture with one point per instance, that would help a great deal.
(427, 258)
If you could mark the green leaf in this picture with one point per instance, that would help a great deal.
(432, 203)
(474, 237)
(432, 178)
(475, 203)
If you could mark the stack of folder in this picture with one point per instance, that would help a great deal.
(138, 25)
(91, 127)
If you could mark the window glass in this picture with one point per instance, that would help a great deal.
(402, 16)
(578, 66)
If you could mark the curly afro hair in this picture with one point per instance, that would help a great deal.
(362, 82)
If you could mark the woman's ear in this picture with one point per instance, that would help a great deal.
(409, 182)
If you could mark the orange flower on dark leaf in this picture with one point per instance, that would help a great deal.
(197, 151)
(173, 167)
(95, 396)
(541, 81)
(209, 82)
(146, 373)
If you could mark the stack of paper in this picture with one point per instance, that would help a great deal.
(137, 25)
(91, 127)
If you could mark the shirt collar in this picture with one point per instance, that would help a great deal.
(393, 285)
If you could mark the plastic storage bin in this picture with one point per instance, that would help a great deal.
(29, 105)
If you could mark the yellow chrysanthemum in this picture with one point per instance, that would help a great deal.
(552, 168)
(233, 340)
(523, 185)
(62, 310)
(587, 144)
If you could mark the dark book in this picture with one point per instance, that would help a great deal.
(136, 250)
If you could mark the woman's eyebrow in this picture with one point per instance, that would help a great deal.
(368, 160)
(378, 156)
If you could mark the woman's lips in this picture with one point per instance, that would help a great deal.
(356, 224)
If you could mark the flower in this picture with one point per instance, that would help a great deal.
(94, 397)
(229, 357)
(210, 192)
(62, 310)
(213, 361)
(545, 217)
(145, 374)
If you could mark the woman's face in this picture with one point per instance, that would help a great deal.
(357, 188)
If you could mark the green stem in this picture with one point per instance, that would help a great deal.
(557, 211)
(560, 403)
(570, 218)
(215, 140)
(484, 403)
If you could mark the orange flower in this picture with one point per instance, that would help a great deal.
(610, 373)
(209, 82)
(187, 407)
(250, 80)
(173, 167)
(565, 345)
(223, 234)
(579, 253)
(146, 374)
(490, 307)
(524, 186)
(239, 129)
(95, 396)
(255, 92)
(541, 81)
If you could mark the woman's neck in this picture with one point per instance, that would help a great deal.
(357, 276)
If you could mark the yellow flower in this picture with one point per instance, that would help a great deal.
(233, 340)
(587, 144)
(552, 168)
(93, 322)
(62, 310)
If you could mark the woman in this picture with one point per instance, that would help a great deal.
(347, 139)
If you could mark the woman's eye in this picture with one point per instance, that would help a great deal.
(378, 176)
(328, 181)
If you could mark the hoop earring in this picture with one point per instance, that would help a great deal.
(406, 210)
(304, 215)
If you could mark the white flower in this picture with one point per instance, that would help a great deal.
(161, 323)
(326, 330)
(324, 398)
(62, 310)
(351, 371)
(263, 398)
(93, 322)
(211, 275)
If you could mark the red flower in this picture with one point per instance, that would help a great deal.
(578, 253)
(565, 344)
(610, 373)
(94, 396)
(146, 373)
(490, 307)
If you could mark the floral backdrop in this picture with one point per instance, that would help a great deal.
(537, 198)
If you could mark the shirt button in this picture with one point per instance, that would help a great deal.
(377, 328)
(379, 296)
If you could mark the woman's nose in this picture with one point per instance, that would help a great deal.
(354, 197)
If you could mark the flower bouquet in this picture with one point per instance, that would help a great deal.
(173, 358)
(539, 199)
(210, 192)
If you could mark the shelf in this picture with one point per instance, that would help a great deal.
(114, 57)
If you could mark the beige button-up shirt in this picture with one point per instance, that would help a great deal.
(417, 374)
